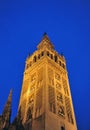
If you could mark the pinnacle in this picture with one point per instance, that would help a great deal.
(10, 96)
(11, 92)
(45, 42)
(45, 37)
(8, 103)
(44, 34)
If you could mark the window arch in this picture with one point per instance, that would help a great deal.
(60, 63)
(34, 59)
(55, 58)
(38, 56)
(42, 53)
(62, 128)
(51, 56)
(47, 53)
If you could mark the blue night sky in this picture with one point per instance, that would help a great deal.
(67, 23)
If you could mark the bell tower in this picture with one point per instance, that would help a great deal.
(45, 101)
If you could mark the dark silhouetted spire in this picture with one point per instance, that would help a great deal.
(7, 111)
(17, 123)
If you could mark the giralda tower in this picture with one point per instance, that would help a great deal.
(45, 101)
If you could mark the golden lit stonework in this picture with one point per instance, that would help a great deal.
(45, 101)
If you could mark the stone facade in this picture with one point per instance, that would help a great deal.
(45, 101)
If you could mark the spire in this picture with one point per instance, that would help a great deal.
(9, 101)
(44, 34)
(7, 111)
(45, 42)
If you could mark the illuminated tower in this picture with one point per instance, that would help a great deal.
(45, 100)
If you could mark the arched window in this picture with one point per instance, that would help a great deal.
(55, 58)
(38, 56)
(42, 53)
(62, 128)
(51, 56)
(47, 53)
(35, 58)
(60, 63)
